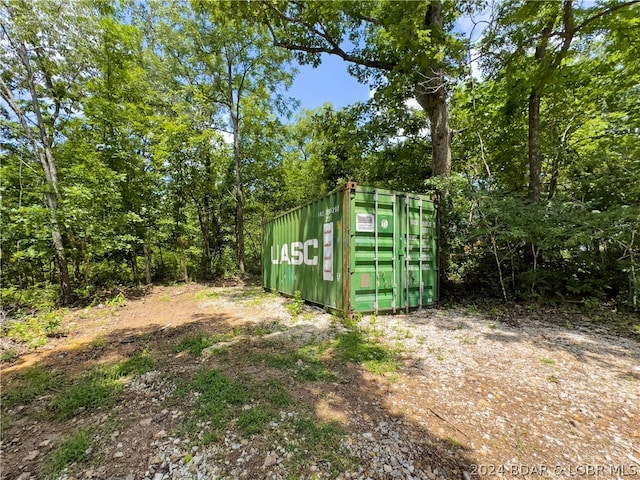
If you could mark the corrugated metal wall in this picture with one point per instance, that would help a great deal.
(358, 249)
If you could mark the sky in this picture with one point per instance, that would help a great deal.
(329, 82)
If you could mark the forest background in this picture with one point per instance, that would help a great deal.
(148, 141)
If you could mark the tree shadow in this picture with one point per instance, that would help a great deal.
(385, 441)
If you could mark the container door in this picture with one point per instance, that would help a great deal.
(418, 256)
(373, 251)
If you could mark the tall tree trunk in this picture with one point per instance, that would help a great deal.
(205, 234)
(535, 154)
(61, 258)
(44, 154)
(147, 262)
(239, 196)
(432, 97)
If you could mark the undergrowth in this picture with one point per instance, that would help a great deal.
(96, 388)
(196, 344)
(354, 347)
(72, 450)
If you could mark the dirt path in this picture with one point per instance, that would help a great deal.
(467, 396)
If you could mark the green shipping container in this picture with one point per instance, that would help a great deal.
(358, 249)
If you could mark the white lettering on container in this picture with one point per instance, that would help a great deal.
(296, 253)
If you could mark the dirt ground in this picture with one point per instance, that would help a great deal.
(531, 394)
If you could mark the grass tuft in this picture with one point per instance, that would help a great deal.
(139, 364)
(71, 450)
(98, 388)
(29, 384)
(255, 419)
(303, 363)
(217, 396)
(354, 347)
(10, 355)
(277, 393)
(207, 295)
(95, 389)
(196, 344)
(322, 443)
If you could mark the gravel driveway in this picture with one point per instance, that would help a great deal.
(527, 395)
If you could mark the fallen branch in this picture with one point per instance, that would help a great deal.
(448, 422)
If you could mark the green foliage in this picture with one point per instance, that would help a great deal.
(29, 385)
(207, 294)
(196, 344)
(9, 355)
(305, 364)
(97, 388)
(148, 179)
(294, 307)
(34, 330)
(72, 450)
(255, 419)
(40, 297)
(322, 442)
(376, 358)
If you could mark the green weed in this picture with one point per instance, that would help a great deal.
(202, 341)
(117, 301)
(277, 393)
(37, 342)
(98, 388)
(207, 295)
(255, 419)
(295, 305)
(453, 443)
(95, 389)
(469, 340)
(547, 361)
(473, 309)
(138, 364)
(9, 355)
(304, 363)
(71, 450)
(29, 384)
(217, 391)
(25, 330)
(99, 341)
(164, 298)
(321, 442)
(353, 347)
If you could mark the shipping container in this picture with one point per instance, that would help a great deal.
(358, 249)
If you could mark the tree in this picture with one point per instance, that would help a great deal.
(551, 27)
(405, 48)
(401, 46)
(227, 66)
(45, 53)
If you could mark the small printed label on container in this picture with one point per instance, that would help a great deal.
(365, 222)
